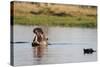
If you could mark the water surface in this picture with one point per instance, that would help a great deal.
(66, 45)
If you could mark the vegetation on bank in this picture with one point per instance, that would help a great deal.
(54, 15)
(56, 21)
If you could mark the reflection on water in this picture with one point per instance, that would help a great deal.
(39, 51)
(66, 46)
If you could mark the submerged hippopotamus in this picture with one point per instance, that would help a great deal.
(88, 51)
(39, 42)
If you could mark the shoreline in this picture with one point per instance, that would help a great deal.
(38, 20)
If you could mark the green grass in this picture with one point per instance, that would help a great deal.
(67, 21)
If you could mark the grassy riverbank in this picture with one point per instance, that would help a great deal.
(26, 13)
(56, 21)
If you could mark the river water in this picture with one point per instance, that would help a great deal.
(67, 46)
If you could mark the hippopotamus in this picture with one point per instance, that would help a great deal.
(39, 42)
(88, 51)
(40, 38)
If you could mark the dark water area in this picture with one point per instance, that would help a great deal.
(67, 46)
